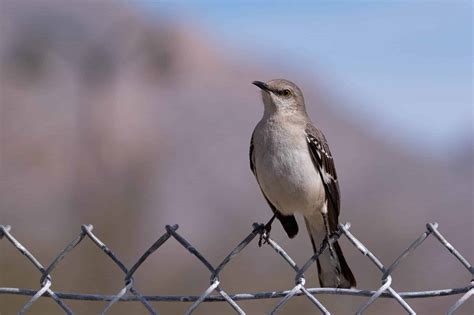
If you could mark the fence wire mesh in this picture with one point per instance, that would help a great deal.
(130, 293)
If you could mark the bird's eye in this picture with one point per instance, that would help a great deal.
(286, 92)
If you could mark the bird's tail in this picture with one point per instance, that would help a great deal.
(333, 271)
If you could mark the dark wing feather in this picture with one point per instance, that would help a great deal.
(287, 221)
(323, 161)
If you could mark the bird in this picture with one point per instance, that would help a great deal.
(295, 170)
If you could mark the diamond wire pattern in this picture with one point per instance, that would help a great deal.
(130, 293)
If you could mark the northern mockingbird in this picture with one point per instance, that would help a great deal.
(294, 168)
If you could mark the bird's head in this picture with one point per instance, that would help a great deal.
(281, 96)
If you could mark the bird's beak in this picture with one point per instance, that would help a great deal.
(262, 85)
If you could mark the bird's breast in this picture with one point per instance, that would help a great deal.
(285, 170)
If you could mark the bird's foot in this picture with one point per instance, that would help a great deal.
(265, 234)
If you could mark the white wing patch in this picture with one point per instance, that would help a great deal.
(320, 148)
(327, 177)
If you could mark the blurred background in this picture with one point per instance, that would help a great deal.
(130, 115)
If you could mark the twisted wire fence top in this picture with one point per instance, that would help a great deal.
(130, 293)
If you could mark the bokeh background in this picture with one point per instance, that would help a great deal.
(131, 115)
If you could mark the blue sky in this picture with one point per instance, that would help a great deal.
(399, 64)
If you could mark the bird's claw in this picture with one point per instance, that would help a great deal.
(263, 239)
(264, 235)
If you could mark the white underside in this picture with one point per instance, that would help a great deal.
(285, 170)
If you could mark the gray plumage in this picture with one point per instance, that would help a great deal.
(294, 168)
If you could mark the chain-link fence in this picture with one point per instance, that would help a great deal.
(130, 293)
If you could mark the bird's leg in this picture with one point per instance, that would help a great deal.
(324, 212)
(266, 232)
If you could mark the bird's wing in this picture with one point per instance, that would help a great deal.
(324, 163)
(287, 221)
